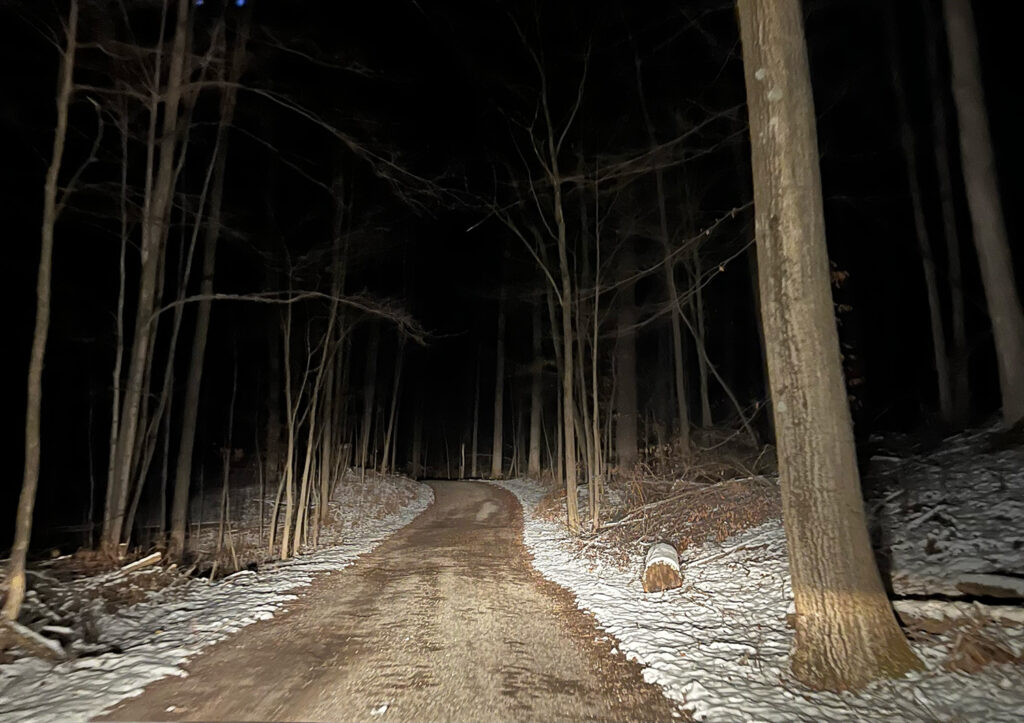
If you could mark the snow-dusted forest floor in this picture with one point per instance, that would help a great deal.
(154, 637)
(719, 645)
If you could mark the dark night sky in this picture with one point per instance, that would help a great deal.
(435, 84)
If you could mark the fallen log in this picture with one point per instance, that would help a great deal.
(141, 563)
(661, 569)
(33, 641)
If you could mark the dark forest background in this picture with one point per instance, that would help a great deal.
(421, 109)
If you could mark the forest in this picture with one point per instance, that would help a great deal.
(681, 278)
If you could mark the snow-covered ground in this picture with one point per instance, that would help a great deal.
(953, 519)
(720, 644)
(157, 636)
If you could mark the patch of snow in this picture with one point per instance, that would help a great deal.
(157, 636)
(663, 553)
(964, 504)
(720, 645)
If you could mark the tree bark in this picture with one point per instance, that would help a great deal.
(33, 410)
(846, 634)
(979, 169)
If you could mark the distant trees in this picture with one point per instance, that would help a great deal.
(161, 185)
(983, 200)
(183, 470)
(497, 440)
(846, 633)
(597, 223)
(169, 110)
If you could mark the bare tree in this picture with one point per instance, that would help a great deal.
(499, 392)
(846, 633)
(931, 280)
(33, 412)
(162, 166)
(536, 394)
(668, 264)
(474, 449)
(190, 413)
(625, 365)
(958, 353)
(369, 394)
(393, 407)
(979, 168)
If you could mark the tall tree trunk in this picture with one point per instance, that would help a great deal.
(369, 392)
(699, 337)
(497, 441)
(597, 466)
(393, 407)
(417, 437)
(626, 446)
(556, 339)
(154, 232)
(846, 634)
(668, 264)
(536, 395)
(475, 447)
(979, 168)
(958, 353)
(931, 279)
(288, 476)
(190, 412)
(33, 410)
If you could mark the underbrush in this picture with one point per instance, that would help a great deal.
(68, 593)
(720, 486)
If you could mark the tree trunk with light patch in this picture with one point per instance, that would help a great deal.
(846, 634)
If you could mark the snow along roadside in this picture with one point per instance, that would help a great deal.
(158, 636)
(720, 645)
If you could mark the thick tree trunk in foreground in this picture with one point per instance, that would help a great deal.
(983, 200)
(625, 368)
(33, 411)
(536, 396)
(846, 634)
(497, 441)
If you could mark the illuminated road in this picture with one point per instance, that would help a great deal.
(446, 620)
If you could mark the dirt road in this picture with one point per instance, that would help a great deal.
(445, 621)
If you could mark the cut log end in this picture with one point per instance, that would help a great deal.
(660, 577)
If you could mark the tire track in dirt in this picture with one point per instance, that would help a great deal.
(446, 620)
